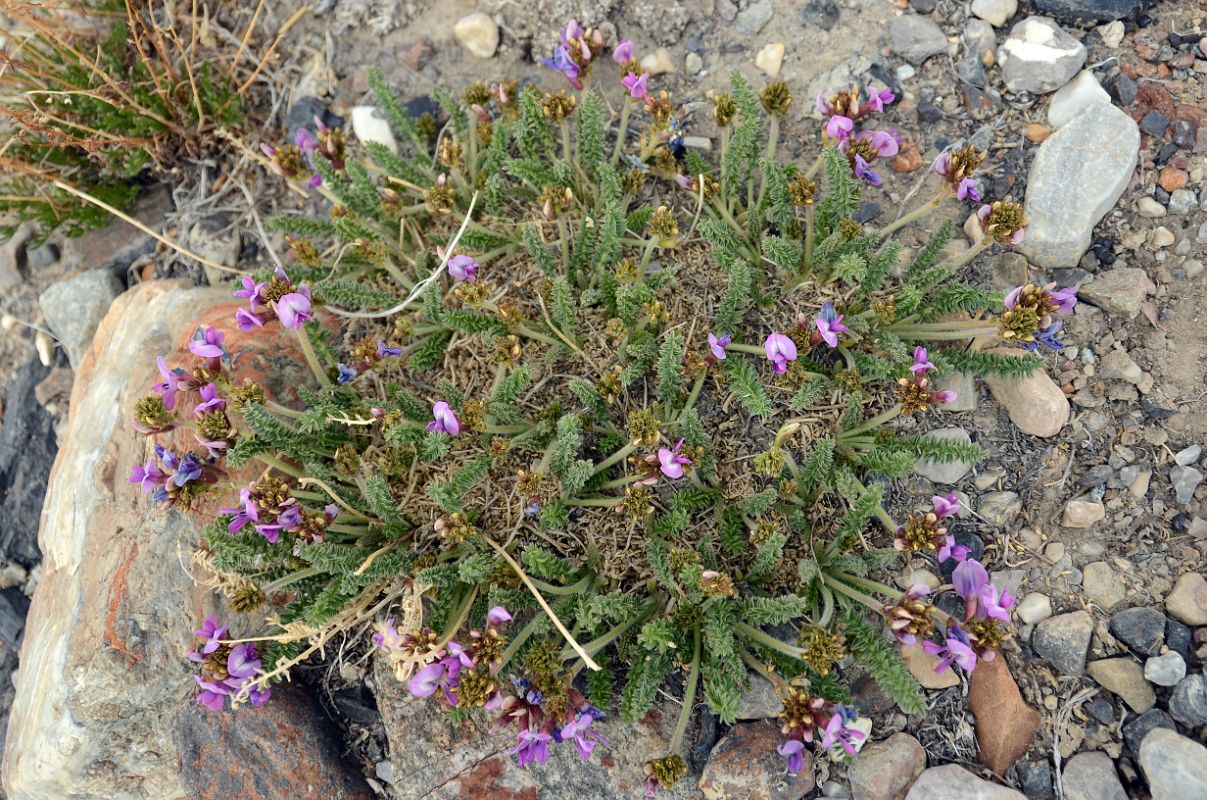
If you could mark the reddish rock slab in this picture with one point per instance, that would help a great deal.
(886, 770)
(281, 750)
(1005, 724)
(745, 765)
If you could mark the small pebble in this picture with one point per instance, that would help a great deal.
(1037, 133)
(770, 58)
(45, 347)
(1165, 670)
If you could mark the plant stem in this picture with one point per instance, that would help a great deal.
(645, 257)
(859, 597)
(566, 141)
(312, 358)
(876, 421)
(292, 577)
(279, 465)
(621, 130)
(625, 481)
(808, 262)
(694, 394)
(599, 643)
(601, 502)
(575, 588)
(524, 330)
(518, 641)
(917, 213)
(689, 694)
(767, 640)
(753, 349)
(277, 408)
(619, 455)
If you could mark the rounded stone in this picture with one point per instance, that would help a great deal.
(1166, 669)
(1064, 641)
(1036, 405)
(1034, 608)
(1188, 702)
(478, 33)
(1176, 767)
(885, 770)
(1125, 678)
(1188, 600)
(1141, 629)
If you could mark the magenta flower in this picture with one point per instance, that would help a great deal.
(995, 604)
(793, 750)
(780, 350)
(839, 127)
(426, 681)
(671, 463)
(497, 616)
(172, 383)
(252, 292)
(921, 364)
(877, 100)
(946, 505)
(209, 399)
(533, 747)
(294, 308)
(247, 512)
(212, 633)
(243, 661)
(623, 52)
(636, 84)
(213, 695)
(580, 731)
(955, 649)
(829, 324)
(837, 732)
(207, 343)
(718, 345)
(952, 550)
(149, 476)
(968, 190)
(246, 320)
(886, 142)
(387, 352)
(463, 268)
(443, 419)
(969, 578)
(944, 397)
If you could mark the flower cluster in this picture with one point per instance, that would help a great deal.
(841, 112)
(227, 670)
(806, 717)
(173, 479)
(956, 167)
(1030, 315)
(291, 303)
(914, 393)
(920, 533)
(291, 160)
(579, 47)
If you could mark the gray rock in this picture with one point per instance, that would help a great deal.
(1078, 174)
(971, 69)
(1103, 585)
(1118, 365)
(117, 245)
(1179, 638)
(760, 701)
(13, 256)
(822, 13)
(1064, 641)
(754, 17)
(1000, 509)
(1188, 455)
(1089, 11)
(1135, 731)
(1035, 607)
(1091, 776)
(953, 782)
(1188, 703)
(979, 37)
(1074, 97)
(1165, 670)
(1184, 481)
(1124, 677)
(74, 307)
(916, 38)
(1141, 629)
(1120, 291)
(27, 451)
(1039, 57)
(1035, 778)
(945, 472)
(1176, 767)
(1181, 201)
(858, 70)
(44, 255)
(886, 770)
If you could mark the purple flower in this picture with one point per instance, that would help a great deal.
(346, 373)
(955, 649)
(207, 343)
(563, 63)
(878, 100)
(387, 637)
(253, 292)
(246, 320)
(212, 633)
(921, 364)
(944, 397)
(572, 32)
(255, 695)
(671, 463)
(533, 746)
(967, 190)
(214, 695)
(463, 268)
(982, 215)
(243, 662)
(829, 324)
(387, 352)
(148, 476)
(209, 399)
(443, 419)
(497, 616)
(287, 520)
(294, 308)
(995, 604)
(864, 170)
(946, 505)
(969, 578)
(952, 550)
(171, 383)
(426, 681)
(794, 751)
(780, 350)
(837, 732)
(885, 142)
(247, 512)
(839, 127)
(580, 731)
(1047, 337)
(718, 345)
(1066, 299)
(623, 52)
(636, 84)
(189, 469)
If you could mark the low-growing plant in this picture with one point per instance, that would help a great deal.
(599, 409)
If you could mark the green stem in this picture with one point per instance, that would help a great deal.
(595, 645)
(625, 481)
(524, 330)
(753, 349)
(694, 394)
(645, 257)
(767, 640)
(277, 408)
(859, 597)
(549, 588)
(564, 233)
(808, 263)
(621, 130)
(689, 695)
(601, 502)
(518, 641)
(312, 358)
(874, 422)
(279, 465)
(566, 150)
(918, 213)
(619, 455)
(292, 577)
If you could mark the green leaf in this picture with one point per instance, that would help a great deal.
(747, 387)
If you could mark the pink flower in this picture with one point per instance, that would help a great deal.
(246, 320)
(780, 350)
(497, 616)
(207, 343)
(718, 345)
(209, 400)
(837, 731)
(172, 383)
(443, 419)
(294, 308)
(921, 364)
(671, 463)
(623, 53)
(885, 142)
(839, 127)
(946, 506)
(426, 681)
(533, 747)
(793, 750)
(995, 604)
(956, 648)
(463, 268)
(878, 100)
(829, 324)
(636, 85)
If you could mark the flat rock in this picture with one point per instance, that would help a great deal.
(369, 125)
(1078, 174)
(1039, 57)
(1086, 11)
(1074, 97)
(1188, 702)
(1135, 730)
(1102, 584)
(754, 17)
(1176, 767)
(964, 385)
(1005, 723)
(1036, 405)
(1000, 508)
(745, 764)
(916, 38)
(116, 246)
(946, 472)
(1141, 629)
(1120, 291)
(1064, 641)
(1188, 600)
(74, 307)
(478, 33)
(760, 701)
(1091, 776)
(995, 12)
(1184, 481)
(886, 770)
(1033, 608)
(953, 782)
(1082, 514)
(922, 666)
(1166, 669)
(1118, 365)
(1125, 678)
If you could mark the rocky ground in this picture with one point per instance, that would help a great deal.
(1090, 504)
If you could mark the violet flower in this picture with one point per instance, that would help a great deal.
(671, 463)
(213, 695)
(780, 350)
(533, 747)
(829, 324)
(172, 383)
(207, 343)
(212, 633)
(952, 550)
(636, 84)
(247, 512)
(308, 143)
(563, 63)
(426, 681)
(623, 52)
(886, 142)
(995, 604)
(387, 352)
(968, 190)
(794, 751)
(719, 344)
(497, 616)
(245, 320)
(243, 661)
(444, 420)
(584, 737)
(148, 476)
(864, 171)
(877, 100)
(253, 292)
(969, 578)
(921, 364)
(346, 373)
(209, 400)
(387, 637)
(956, 648)
(463, 268)
(189, 469)
(837, 732)
(287, 520)
(839, 127)
(294, 308)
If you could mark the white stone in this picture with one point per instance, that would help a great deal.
(693, 64)
(1161, 237)
(1078, 175)
(995, 12)
(369, 126)
(953, 782)
(1039, 57)
(44, 344)
(479, 33)
(1073, 98)
(1166, 669)
(1176, 767)
(1150, 208)
(1112, 33)
(1033, 608)
(770, 58)
(658, 62)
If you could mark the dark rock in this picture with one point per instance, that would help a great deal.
(821, 13)
(866, 212)
(703, 732)
(1101, 709)
(923, 6)
(1141, 629)
(1095, 476)
(1135, 731)
(1035, 778)
(869, 698)
(303, 112)
(286, 748)
(1163, 157)
(928, 112)
(1083, 11)
(1183, 133)
(27, 451)
(1154, 123)
(1102, 248)
(1155, 411)
(13, 607)
(971, 69)
(975, 547)
(1122, 89)
(357, 704)
(1188, 703)
(423, 104)
(1178, 638)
